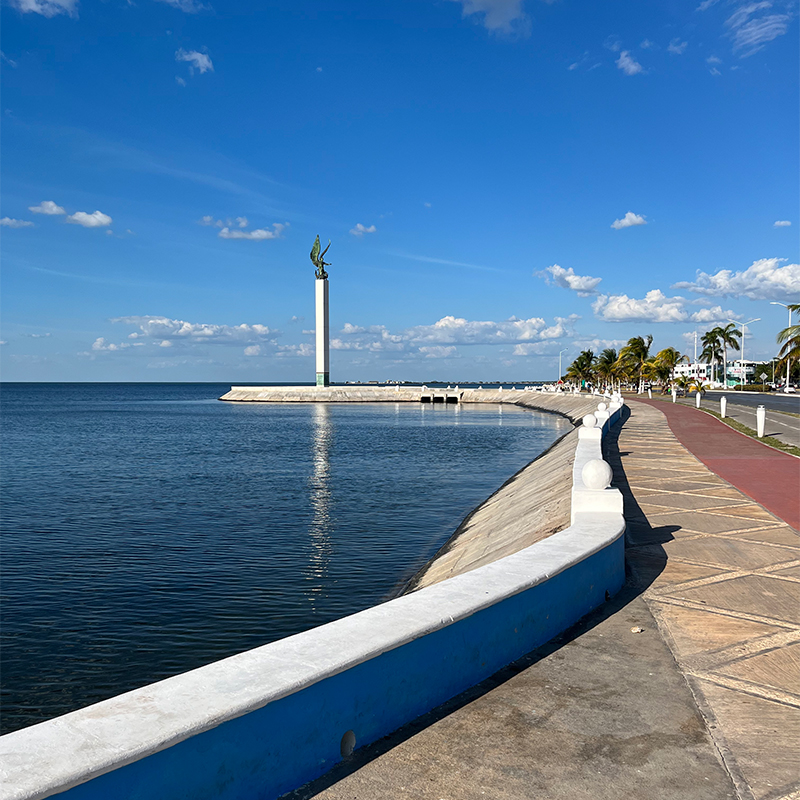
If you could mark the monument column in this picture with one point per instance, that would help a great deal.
(322, 327)
(322, 331)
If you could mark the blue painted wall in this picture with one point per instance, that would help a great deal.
(289, 742)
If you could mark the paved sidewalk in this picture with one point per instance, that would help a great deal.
(604, 712)
(723, 578)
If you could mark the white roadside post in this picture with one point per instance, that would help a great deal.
(697, 399)
(674, 394)
(723, 406)
(761, 419)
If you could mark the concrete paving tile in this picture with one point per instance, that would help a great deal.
(750, 511)
(759, 733)
(672, 484)
(719, 491)
(728, 552)
(778, 669)
(788, 572)
(782, 534)
(699, 521)
(690, 501)
(653, 567)
(758, 595)
(694, 631)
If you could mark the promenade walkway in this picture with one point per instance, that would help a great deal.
(703, 703)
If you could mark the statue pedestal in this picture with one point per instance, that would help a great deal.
(322, 333)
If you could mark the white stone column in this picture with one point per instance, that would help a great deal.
(322, 330)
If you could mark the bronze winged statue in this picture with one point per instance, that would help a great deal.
(317, 259)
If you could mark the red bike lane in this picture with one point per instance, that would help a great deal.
(770, 477)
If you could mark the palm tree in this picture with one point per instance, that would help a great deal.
(711, 348)
(635, 354)
(728, 337)
(582, 368)
(666, 361)
(604, 366)
(790, 339)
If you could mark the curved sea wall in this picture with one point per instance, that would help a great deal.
(271, 719)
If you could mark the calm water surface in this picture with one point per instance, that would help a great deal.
(151, 529)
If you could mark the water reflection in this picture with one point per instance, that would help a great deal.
(319, 484)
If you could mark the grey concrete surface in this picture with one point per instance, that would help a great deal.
(601, 713)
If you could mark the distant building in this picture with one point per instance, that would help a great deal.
(697, 370)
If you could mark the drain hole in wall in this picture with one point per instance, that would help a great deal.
(348, 744)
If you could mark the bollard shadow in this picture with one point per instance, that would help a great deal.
(645, 557)
(645, 560)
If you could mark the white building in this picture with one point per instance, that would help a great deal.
(697, 370)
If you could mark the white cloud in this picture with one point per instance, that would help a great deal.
(647, 44)
(257, 235)
(11, 63)
(196, 60)
(677, 47)
(437, 351)
(713, 60)
(750, 32)
(188, 6)
(764, 279)
(706, 4)
(654, 307)
(47, 207)
(360, 230)
(95, 220)
(242, 222)
(498, 16)
(457, 330)
(628, 64)
(161, 329)
(164, 343)
(180, 81)
(714, 71)
(8, 222)
(629, 221)
(782, 223)
(101, 344)
(319, 69)
(39, 335)
(584, 285)
(427, 205)
(531, 349)
(253, 350)
(613, 43)
(47, 8)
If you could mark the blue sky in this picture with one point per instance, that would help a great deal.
(501, 179)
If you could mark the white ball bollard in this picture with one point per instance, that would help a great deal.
(761, 421)
(650, 394)
(590, 421)
(697, 400)
(723, 406)
(597, 475)
(601, 406)
(674, 395)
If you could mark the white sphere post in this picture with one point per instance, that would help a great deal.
(697, 400)
(322, 333)
(723, 407)
(761, 420)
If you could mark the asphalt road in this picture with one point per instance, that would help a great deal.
(772, 401)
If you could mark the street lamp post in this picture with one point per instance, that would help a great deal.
(776, 303)
(559, 362)
(744, 325)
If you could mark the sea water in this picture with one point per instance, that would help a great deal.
(148, 529)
